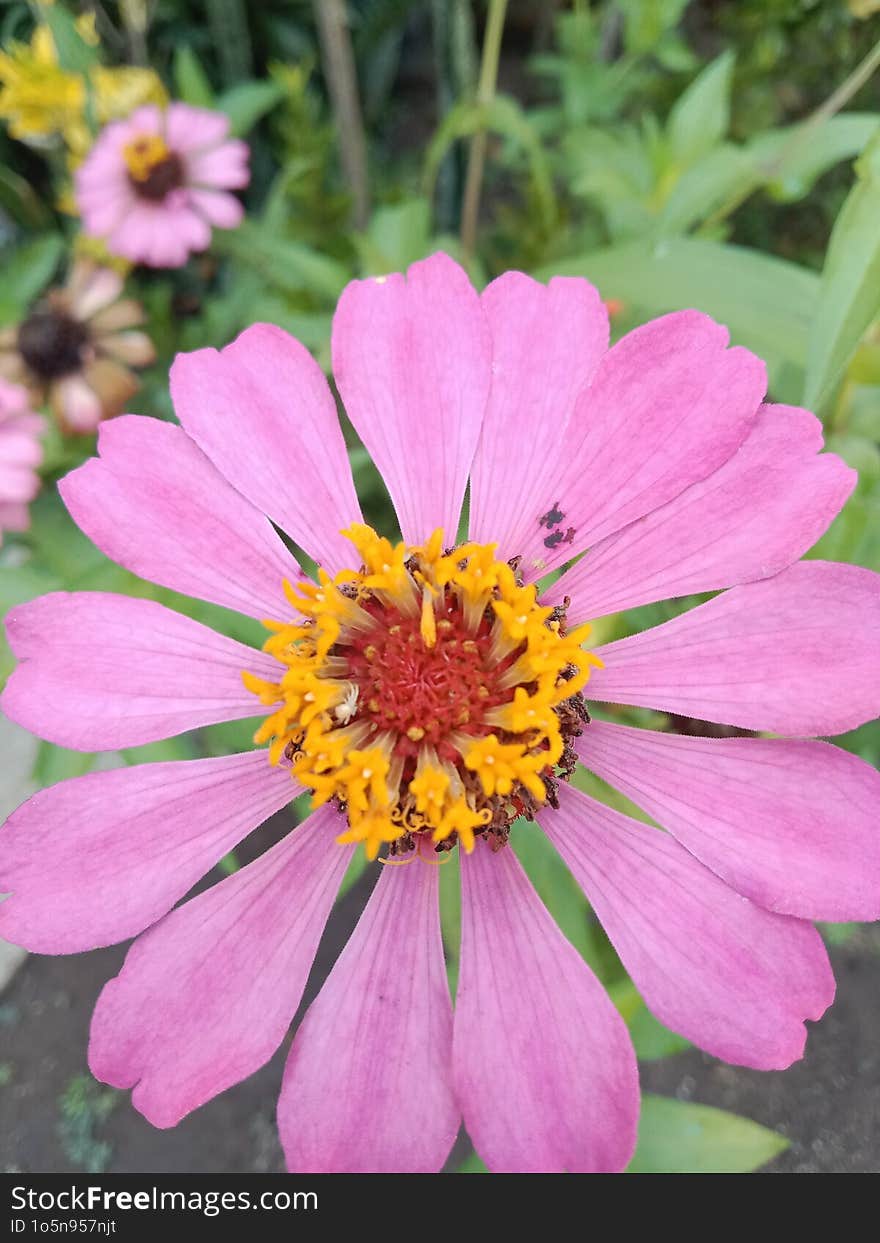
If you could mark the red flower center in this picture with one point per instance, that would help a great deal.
(422, 694)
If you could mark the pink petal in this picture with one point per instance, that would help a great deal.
(546, 343)
(757, 514)
(18, 480)
(733, 978)
(13, 517)
(20, 447)
(206, 996)
(148, 119)
(104, 211)
(794, 654)
(544, 1069)
(155, 503)
(101, 671)
(99, 858)
(225, 167)
(791, 825)
(149, 234)
(104, 164)
(222, 210)
(104, 194)
(262, 411)
(667, 405)
(412, 359)
(188, 128)
(189, 227)
(368, 1085)
(14, 401)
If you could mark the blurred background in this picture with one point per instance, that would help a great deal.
(720, 154)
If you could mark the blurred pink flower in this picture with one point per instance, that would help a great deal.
(20, 455)
(154, 185)
(655, 459)
(77, 346)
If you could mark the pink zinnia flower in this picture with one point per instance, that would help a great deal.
(431, 694)
(20, 455)
(154, 185)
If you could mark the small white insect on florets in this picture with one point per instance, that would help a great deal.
(345, 710)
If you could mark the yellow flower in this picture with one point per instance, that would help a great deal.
(37, 97)
(42, 101)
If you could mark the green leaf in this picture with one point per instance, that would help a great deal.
(59, 544)
(26, 273)
(765, 302)
(854, 535)
(21, 201)
(700, 116)
(838, 934)
(679, 1137)
(397, 236)
(651, 1040)
(450, 914)
(190, 79)
(648, 21)
(291, 266)
(791, 160)
(702, 188)
(615, 170)
(74, 54)
(849, 295)
(248, 102)
(179, 748)
(56, 764)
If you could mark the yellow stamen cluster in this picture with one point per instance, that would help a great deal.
(423, 692)
(144, 154)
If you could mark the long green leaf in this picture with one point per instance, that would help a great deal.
(248, 102)
(190, 79)
(679, 1137)
(701, 115)
(25, 273)
(288, 265)
(849, 296)
(765, 302)
(792, 165)
(397, 236)
(74, 54)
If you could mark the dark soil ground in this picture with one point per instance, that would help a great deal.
(54, 1117)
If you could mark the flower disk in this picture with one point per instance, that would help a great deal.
(427, 693)
(153, 169)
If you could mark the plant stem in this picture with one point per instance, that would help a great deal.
(800, 135)
(339, 70)
(470, 208)
(832, 105)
